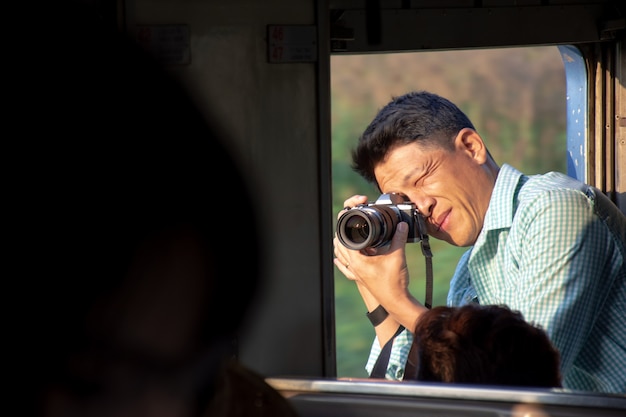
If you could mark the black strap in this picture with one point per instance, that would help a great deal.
(380, 367)
(382, 362)
(377, 316)
(428, 255)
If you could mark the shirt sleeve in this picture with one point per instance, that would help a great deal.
(564, 255)
(397, 359)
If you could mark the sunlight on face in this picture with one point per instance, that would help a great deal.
(451, 188)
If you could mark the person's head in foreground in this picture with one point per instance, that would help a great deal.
(489, 344)
(127, 207)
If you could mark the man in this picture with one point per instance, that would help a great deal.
(548, 246)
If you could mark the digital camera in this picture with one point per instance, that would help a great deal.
(373, 224)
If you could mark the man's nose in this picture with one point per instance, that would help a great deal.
(424, 203)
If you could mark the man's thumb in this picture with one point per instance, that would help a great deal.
(399, 238)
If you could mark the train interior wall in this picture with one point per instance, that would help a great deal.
(259, 103)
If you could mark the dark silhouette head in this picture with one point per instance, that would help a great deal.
(125, 207)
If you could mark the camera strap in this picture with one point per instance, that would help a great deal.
(380, 367)
(428, 255)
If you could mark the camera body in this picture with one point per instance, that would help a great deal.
(374, 224)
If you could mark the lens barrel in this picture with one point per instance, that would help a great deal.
(367, 226)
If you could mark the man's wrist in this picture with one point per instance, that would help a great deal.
(377, 316)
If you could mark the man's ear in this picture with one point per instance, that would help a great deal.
(469, 141)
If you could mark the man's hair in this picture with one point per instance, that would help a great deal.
(488, 344)
(415, 116)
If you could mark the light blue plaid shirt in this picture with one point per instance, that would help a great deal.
(554, 249)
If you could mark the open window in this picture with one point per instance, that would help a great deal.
(528, 103)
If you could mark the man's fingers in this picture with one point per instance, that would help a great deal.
(399, 238)
(355, 200)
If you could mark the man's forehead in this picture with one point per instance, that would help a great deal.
(403, 163)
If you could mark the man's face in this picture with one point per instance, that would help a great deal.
(450, 187)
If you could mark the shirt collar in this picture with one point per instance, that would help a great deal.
(501, 206)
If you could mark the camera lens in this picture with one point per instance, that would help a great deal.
(370, 226)
(357, 229)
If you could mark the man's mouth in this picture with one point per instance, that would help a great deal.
(440, 222)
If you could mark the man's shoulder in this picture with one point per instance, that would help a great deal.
(552, 187)
(520, 198)
(516, 192)
(554, 180)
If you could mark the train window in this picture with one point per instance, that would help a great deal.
(516, 97)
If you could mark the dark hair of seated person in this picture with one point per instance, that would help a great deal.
(489, 344)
